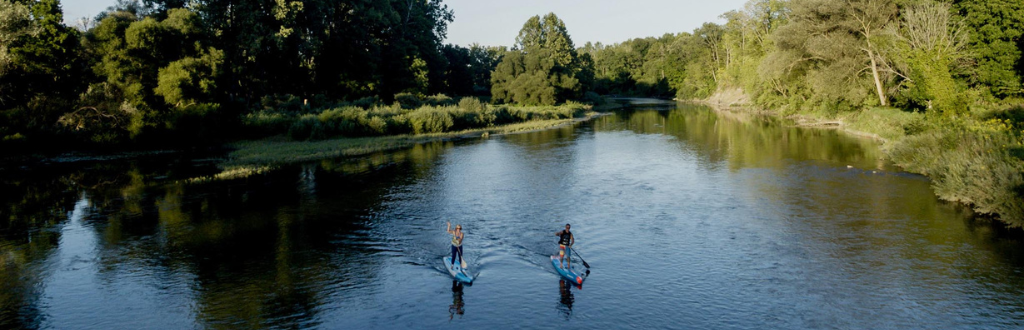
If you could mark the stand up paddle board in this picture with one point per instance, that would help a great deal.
(570, 274)
(457, 272)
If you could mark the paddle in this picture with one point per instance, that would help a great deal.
(585, 264)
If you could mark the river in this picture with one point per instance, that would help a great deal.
(689, 218)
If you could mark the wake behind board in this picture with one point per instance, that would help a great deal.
(457, 272)
(573, 275)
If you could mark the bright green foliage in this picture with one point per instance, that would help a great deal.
(681, 65)
(927, 44)
(337, 48)
(543, 69)
(415, 115)
(144, 66)
(996, 35)
(15, 23)
(190, 80)
(826, 55)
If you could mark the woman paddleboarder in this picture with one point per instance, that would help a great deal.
(457, 237)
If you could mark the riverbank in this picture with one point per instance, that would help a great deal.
(975, 160)
(279, 150)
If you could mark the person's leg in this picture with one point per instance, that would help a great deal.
(460, 256)
(454, 251)
(568, 258)
(561, 255)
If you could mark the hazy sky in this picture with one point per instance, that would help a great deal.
(498, 22)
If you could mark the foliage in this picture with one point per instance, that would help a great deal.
(544, 67)
(928, 44)
(972, 165)
(434, 114)
(995, 32)
(39, 64)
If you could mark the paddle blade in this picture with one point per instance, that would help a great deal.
(463, 263)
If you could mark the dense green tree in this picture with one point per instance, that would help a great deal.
(39, 65)
(929, 44)
(483, 61)
(996, 39)
(543, 68)
(828, 53)
(148, 72)
(458, 73)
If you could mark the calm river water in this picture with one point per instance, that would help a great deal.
(689, 218)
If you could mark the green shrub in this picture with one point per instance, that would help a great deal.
(975, 165)
(408, 101)
(430, 120)
(287, 103)
(378, 125)
(472, 104)
(366, 102)
(438, 100)
(593, 98)
(302, 128)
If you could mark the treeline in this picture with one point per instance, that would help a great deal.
(946, 56)
(160, 71)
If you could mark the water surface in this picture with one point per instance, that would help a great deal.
(689, 217)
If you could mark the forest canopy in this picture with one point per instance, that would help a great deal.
(143, 72)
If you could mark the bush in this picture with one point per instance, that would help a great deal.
(302, 129)
(472, 104)
(975, 165)
(430, 120)
(366, 102)
(408, 101)
(351, 120)
(593, 98)
(439, 100)
(287, 103)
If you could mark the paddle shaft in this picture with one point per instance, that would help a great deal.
(585, 264)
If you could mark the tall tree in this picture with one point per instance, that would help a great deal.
(822, 54)
(543, 68)
(929, 43)
(40, 64)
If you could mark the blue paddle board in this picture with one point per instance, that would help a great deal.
(457, 272)
(573, 275)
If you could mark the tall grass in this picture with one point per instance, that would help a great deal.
(409, 114)
(977, 163)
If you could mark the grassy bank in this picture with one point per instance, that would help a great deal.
(280, 150)
(409, 114)
(292, 131)
(976, 159)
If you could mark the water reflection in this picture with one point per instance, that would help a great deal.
(458, 306)
(565, 298)
(249, 252)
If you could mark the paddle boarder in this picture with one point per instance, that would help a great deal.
(565, 241)
(457, 236)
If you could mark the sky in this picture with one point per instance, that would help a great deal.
(496, 23)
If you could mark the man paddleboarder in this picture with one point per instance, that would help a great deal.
(565, 241)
